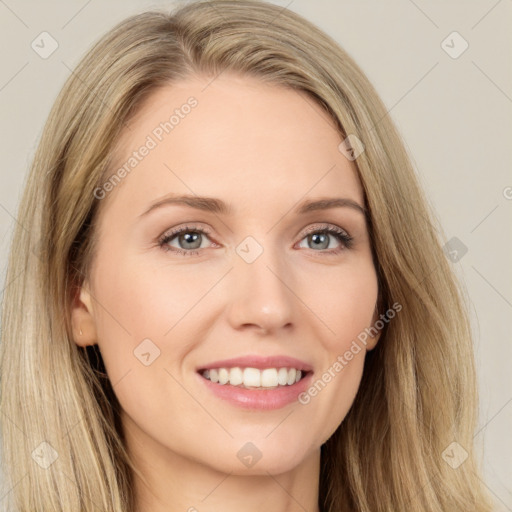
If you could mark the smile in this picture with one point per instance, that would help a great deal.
(254, 378)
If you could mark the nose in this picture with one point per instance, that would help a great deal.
(261, 295)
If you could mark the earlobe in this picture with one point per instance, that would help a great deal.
(371, 342)
(373, 339)
(82, 319)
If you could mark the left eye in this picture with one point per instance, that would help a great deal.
(190, 240)
(320, 239)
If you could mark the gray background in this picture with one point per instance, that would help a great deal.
(454, 114)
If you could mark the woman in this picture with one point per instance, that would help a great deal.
(310, 348)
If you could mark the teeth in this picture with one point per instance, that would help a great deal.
(236, 376)
(223, 376)
(253, 377)
(269, 378)
(214, 376)
(282, 376)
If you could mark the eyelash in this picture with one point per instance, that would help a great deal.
(338, 233)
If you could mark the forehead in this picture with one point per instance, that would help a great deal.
(235, 138)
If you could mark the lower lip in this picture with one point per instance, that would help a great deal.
(259, 399)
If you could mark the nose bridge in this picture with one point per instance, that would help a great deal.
(260, 292)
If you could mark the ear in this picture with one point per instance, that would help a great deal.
(373, 337)
(82, 318)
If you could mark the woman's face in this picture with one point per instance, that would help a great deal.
(253, 275)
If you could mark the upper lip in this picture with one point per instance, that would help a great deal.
(253, 361)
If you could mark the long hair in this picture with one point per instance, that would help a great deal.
(62, 444)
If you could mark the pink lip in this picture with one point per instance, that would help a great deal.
(260, 363)
(259, 399)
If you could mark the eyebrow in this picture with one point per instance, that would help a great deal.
(213, 205)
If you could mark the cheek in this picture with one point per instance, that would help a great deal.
(333, 389)
(149, 317)
(142, 301)
(345, 303)
(346, 306)
(134, 305)
(142, 333)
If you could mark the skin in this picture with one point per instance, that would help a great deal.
(262, 149)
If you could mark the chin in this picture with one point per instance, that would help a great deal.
(259, 458)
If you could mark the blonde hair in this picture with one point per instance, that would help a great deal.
(418, 392)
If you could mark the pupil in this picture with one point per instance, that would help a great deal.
(190, 238)
(316, 237)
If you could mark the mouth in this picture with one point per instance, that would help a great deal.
(255, 378)
(264, 388)
(255, 372)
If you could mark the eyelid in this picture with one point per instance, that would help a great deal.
(320, 226)
(192, 226)
(199, 227)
